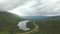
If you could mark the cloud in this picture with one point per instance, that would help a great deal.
(10, 4)
(32, 7)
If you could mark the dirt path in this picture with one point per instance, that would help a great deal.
(36, 29)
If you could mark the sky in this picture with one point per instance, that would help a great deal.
(31, 7)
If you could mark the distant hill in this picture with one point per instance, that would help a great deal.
(53, 18)
(35, 17)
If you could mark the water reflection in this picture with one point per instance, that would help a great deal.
(22, 25)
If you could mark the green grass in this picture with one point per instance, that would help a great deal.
(8, 22)
(48, 27)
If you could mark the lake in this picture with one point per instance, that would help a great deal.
(22, 25)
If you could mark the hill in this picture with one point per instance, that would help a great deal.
(8, 22)
(53, 18)
(50, 25)
(34, 17)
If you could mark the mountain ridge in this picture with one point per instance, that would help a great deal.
(35, 17)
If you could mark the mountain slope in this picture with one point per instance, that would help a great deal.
(8, 22)
(50, 25)
(9, 17)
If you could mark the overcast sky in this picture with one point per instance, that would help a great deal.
(31, 7)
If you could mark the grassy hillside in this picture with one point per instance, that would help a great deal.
(4, 16)
(50, 25)
(8, 22)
